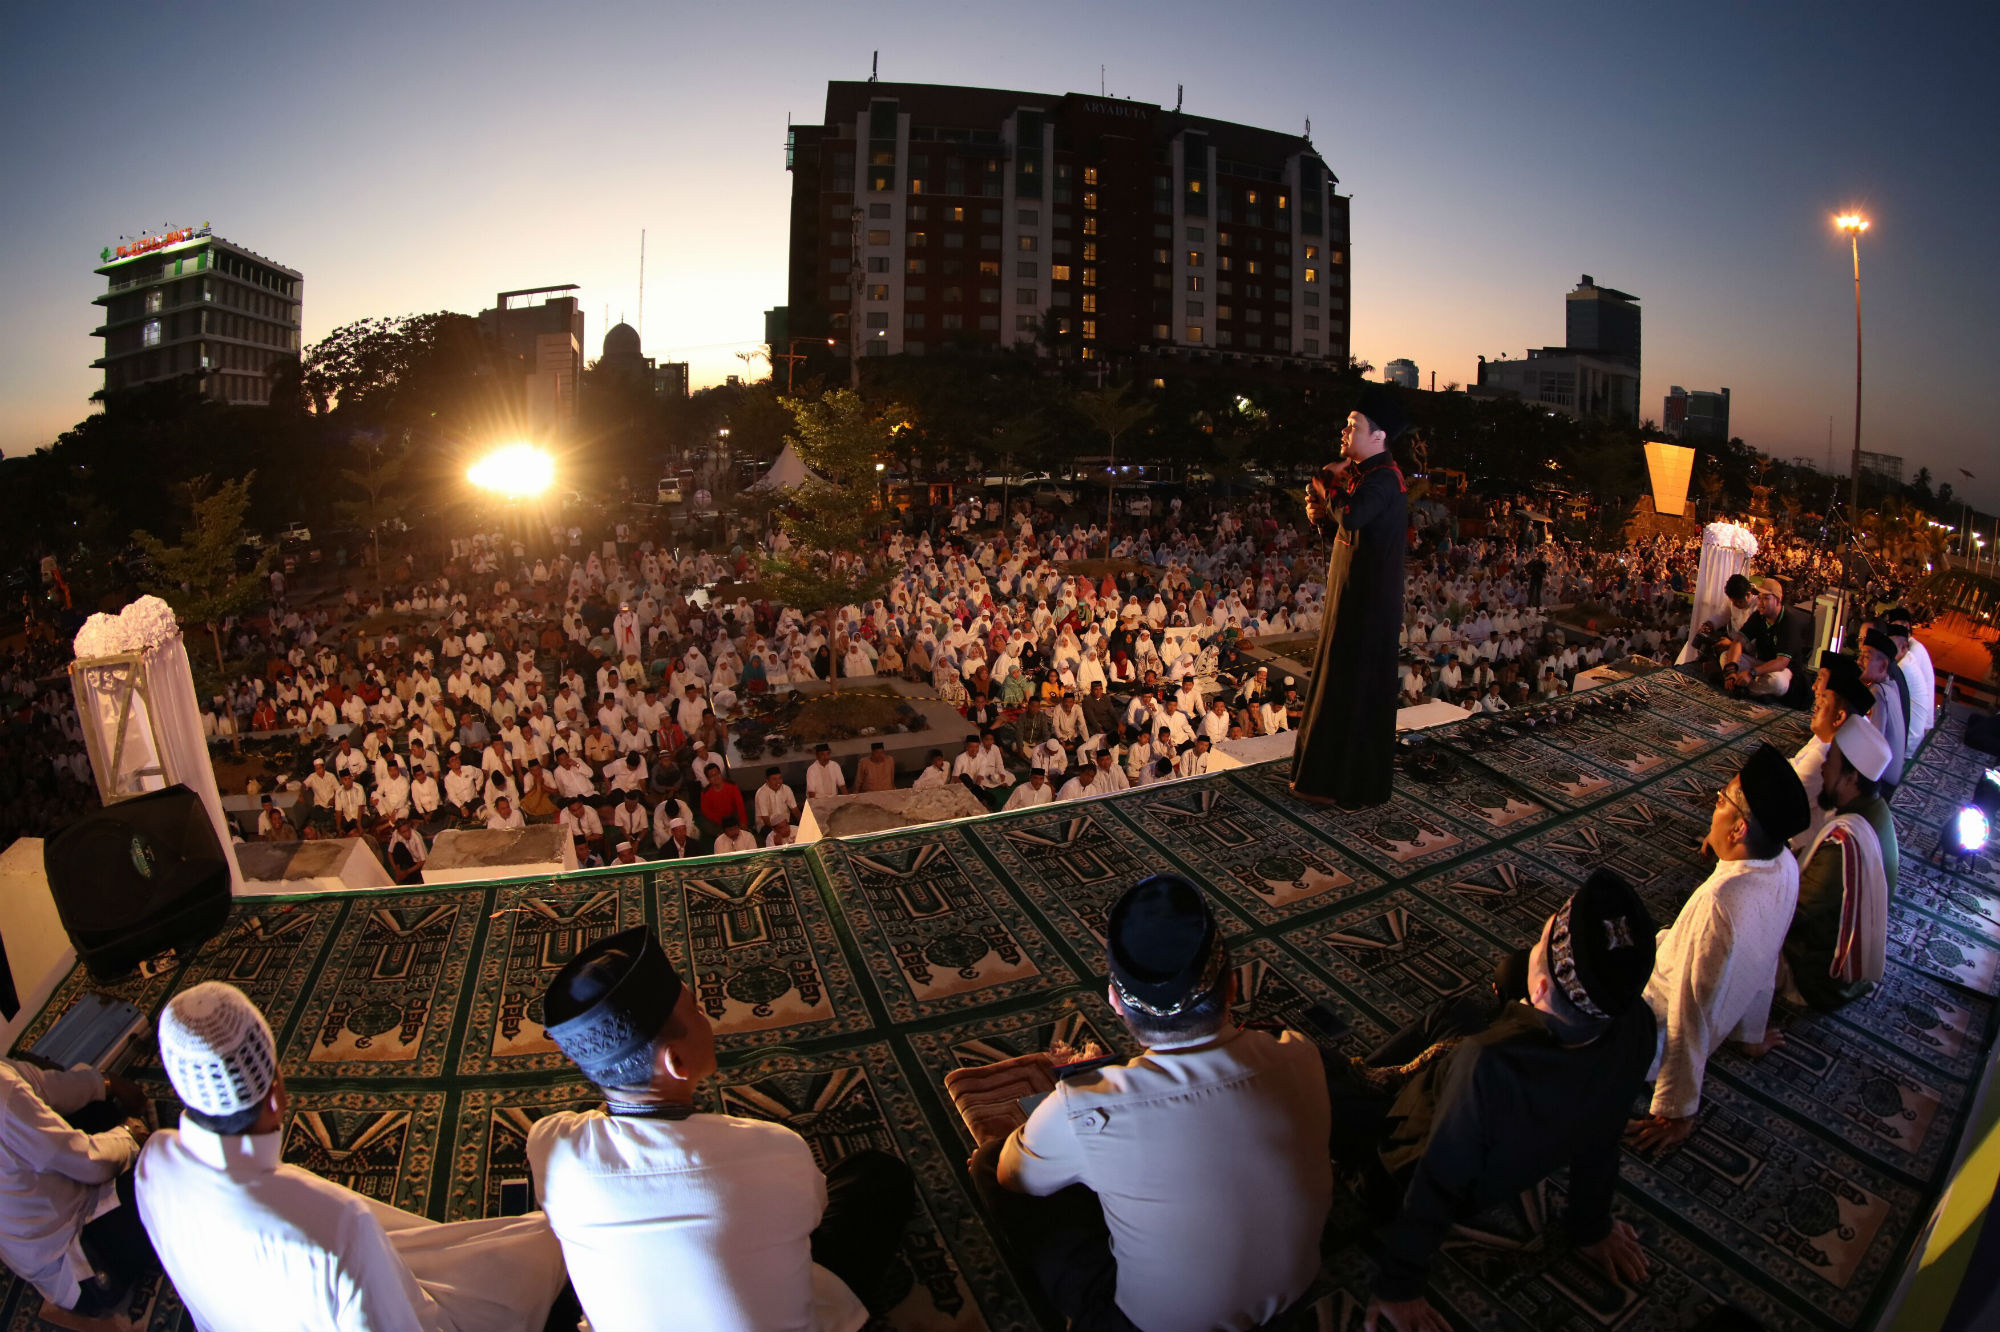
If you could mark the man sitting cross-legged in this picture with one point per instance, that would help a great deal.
(1835, 948)
(1186, 1188)
(251, 1243)
(672, 1219)
(1490, 1093)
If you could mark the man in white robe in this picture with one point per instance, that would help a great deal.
(251, 1243)
(671, 1219)
(1919, 673)
(1715, 967)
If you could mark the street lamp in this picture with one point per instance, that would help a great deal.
(882, 481)
(793, 356)
(1854, 224)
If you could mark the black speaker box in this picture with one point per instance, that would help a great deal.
(138, 877)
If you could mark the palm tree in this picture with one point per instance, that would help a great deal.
(1109, 411)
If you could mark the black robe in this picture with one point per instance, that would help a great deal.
(1346, 745)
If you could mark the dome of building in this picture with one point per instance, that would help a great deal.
(621, 342)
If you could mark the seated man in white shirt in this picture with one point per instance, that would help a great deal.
(1229, 1235)
(774, 799)
(1035, 791)
(505, 818)
(935, 772)
(251, 1243)
(673, 1219)
(734, 837)
(823, 776)
(68, 1139)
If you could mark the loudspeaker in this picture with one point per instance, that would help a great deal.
(137, 877)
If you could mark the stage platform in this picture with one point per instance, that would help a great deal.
(846, 979)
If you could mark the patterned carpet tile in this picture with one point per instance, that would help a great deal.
(755, 939)
(937, 930)
(1397, 955)
(381, 1142)
(1070, 862)
(1266, 866)
(1925, 1018)
(1471, 794)
(1396, 838)
(1939, 950)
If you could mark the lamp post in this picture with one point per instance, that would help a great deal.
(1854, 224)
(793, 356)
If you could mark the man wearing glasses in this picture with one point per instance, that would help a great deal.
(1715, 966)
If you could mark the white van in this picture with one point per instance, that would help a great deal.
(669, 491)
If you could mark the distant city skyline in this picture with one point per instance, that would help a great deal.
(409, 160)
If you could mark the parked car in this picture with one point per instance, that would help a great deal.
(669, 490)
(296, 532)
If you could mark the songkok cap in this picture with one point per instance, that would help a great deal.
(1865, 748)
(1881, 642)
(1776, 796)
(624, 846)
(677, 822)
(1843, 677)
(217, 1049)
(1601, 947)
(1162, 946)
(604, 1008)
(1384, 410)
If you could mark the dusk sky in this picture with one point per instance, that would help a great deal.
(418, 157)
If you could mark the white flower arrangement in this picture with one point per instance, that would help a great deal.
(1730, 536)
(146, 624)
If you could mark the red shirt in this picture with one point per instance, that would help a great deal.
(722, 797)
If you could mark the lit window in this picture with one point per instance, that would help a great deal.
(1222, 238)
(1159, 383)
(1194, 259)
(1088, 353)
(153, 300)
(916, 185)
(878, 238)
(1225, 262)
(1089, 277)
(989, 268)
(1250, 267)
(1194, 332)
(1058, 272)
(150, 335)
(1163, 256)
(1250, 196)
(1163, 332)
(1090, 252)
(878, 291)
(958, 214)
(1221, 311)
(1090, 226)
(1312, 251)
(1090, 175)
(1090, 328)
(1026, 242)
(913, 267)
(916, 240)
(1090, 198)
(1194, 282)
(1312, 275)
(1283, 199)
(1194, 187)
(1090, 302)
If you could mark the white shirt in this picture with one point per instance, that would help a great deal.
(703, 1223)
(53, 1179)
(930, 777)
(251, 1243)
(1714, 969)
(728, 843)
(824, 779)
(1027, 795)
(770, 803)
(1921, 676)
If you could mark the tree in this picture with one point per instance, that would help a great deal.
(199, 577)
(1111, 414)
(382, 500)
(833, 519)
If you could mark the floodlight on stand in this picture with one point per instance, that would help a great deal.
(1970, 827)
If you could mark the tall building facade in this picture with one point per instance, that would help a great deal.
(187, 303)
(1595, 375)
(926, 217)
(538, 345)
(1402, 372)
(1696, 415)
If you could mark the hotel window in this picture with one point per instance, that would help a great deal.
(878, 291)
(913, 293)
(1196, 309)
(916, 184)
(989, 241)
(1090, 198)
(951, 321)
(878, 319)
(916, 240)
(1025, 269)
(989, 323)
(989, 295)
(1312, 322)
(1312, 346)
(878, 238)
(954, 293)
(1194, 259)
(1197, 234)
(1194, 332)
(1090, 252)
(918, 213)
(1312, 298)
(1194, 282)
(1062, 245)
(153, 299)
(1250, 267)
(1089, 277)
(1194, 186)
(913, 320)
(839, 293)
(1090, 328)
(990, 215)
(1163, 331)
(1312, 251)
(1024, 296)
(1090, 302)
(1088, 353)
(1250, 196)
(1062, 326)
(1253, 315)
(1090, 175)
(1224, 338)
(958, 214)
(1283, 200)
(1283, 248)
(1281, 271)
(1028, 217)
(1222, 238)
(878, 263)
(878, 210)
(913, 267)
(150, 335)
(954, 240)
(1312, 275)
(1026, 243)
(1090, 226)
(1026, 323)
(989, 268)
(1060, 296)
(1058, 272)
(1224, 287)
(1225, 262)
(1282, 318)
(1163, 256)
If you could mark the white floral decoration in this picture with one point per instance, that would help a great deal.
(146, 624)
(1730, 536)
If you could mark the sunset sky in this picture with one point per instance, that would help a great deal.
(409, 158)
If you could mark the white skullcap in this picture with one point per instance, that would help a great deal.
(1865, 748)
(217, 1049)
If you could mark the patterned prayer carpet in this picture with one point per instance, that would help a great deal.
(845, 980)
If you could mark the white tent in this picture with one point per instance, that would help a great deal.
(788, 473)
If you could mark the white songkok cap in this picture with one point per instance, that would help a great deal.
(217, 1049)
(1865, 748)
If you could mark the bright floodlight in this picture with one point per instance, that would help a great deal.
(1973, 828)
(1851, 222)
(517, 471)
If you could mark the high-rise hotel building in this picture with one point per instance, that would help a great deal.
(925, 217)
(187, 302)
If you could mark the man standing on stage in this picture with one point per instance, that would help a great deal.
(1345, 752)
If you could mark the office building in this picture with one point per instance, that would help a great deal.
(1595, 375)
(1886, 468)
(1402, 373)
(927, 217)
(187, 303)
(537, 346)
(1695, 416)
